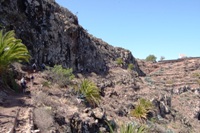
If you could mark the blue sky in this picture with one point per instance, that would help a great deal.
(159, 27)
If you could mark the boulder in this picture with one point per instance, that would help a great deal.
(98, 113)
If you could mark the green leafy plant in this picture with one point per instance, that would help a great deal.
(132, 129)
(146, 104)
(142, 109)
(130, 66)
(151, 58)
(60, 75)
(119, 61)
(46, 84)
(127, 128)
(90, 91)
(139, 112)
(11, 50)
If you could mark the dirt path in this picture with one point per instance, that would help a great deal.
(16, 115)
(24, 120)
(16, 111)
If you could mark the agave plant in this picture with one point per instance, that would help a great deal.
(132, 129)
(142, 109)
(90, 91)
(146, 104)
(127, 129)
(11, 50)
(139, 112)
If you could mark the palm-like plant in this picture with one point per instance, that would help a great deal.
(11, 50)
(90, 92)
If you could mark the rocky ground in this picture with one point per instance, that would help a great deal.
(172, 86)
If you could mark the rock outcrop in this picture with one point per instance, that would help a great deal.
(53, 36)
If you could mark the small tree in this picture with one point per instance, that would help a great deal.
(11, 50)
(151, 58)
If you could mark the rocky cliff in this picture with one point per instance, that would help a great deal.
(53, 36)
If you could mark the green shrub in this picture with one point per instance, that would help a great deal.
(132, 129)
(142, 109)
(60, 75)
(127, 128)
(151, 58)
(130, 66)
(139, 112)
(46, 84)
(90, 91)
(146, 104)
(119, 61)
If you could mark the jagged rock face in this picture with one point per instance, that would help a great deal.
(53, 36)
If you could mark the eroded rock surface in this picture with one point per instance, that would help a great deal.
(53, 36)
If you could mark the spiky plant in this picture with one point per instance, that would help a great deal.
(132, 129)
(11, 50)
(139, 112)
(127, 128)
(90, 91)
(142, 109)
(146, 104)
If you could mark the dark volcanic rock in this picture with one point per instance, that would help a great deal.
(53, 36)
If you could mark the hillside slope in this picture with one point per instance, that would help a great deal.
(171, 87)
(53, 36)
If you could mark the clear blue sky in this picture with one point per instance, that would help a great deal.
(160, 27)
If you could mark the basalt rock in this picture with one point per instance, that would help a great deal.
(53, 36)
